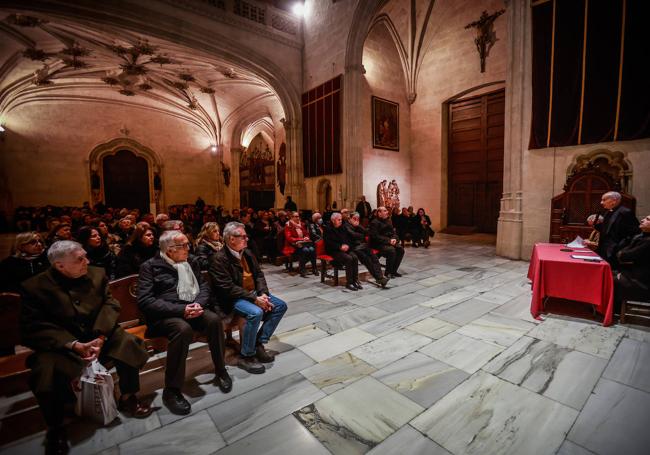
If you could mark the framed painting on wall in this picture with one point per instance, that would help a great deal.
(385, 124)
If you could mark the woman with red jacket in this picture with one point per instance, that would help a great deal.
(297, 242)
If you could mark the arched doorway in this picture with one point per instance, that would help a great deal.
(126, 181)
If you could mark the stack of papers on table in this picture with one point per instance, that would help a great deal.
(578, 242)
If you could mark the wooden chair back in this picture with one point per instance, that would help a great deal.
(9, 321)
(125, 290)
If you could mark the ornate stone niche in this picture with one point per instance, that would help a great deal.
(96, 170)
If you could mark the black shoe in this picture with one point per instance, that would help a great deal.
(56, 442)
(176, 402)
(263, 355)
(358, 285)
(416, 245)
(250, 364)
(396, 274)
(314, 270)
(383, 281)
(133, 407)
(351, 287)
(223, 381)
(303, 273)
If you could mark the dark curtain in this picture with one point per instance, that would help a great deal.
(584, 100)
(321, 117)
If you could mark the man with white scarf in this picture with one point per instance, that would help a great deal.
(175, 300)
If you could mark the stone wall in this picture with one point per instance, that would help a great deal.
(384, 78)
(46, 149)
(450, 67)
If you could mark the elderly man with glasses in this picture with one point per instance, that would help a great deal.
(175, 300)
(68, 318)
(239, 284)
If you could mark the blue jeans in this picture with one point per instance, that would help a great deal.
(254, 316)
(304, 254)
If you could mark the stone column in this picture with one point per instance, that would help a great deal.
(235, 154)
(352, 150)
(295, 178)
(517, 127)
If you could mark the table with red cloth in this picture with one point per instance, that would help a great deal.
(555, 273)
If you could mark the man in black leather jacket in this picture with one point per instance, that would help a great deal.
(360, 247)
(384, 238)
(632, 282)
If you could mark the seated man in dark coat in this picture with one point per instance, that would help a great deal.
(361, 249)
(69, 318)
(338, 244)
(384, 238)
(632, 282)
(618, 224)
(240, 286)
(175, 301)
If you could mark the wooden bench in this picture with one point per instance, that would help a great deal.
(13, 368)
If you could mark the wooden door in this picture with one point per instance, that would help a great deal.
(475, 164)
(126, 181)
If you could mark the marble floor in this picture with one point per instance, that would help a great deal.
(446, 360)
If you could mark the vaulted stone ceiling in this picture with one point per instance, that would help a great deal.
(44, 60)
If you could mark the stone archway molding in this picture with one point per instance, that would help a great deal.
(96, 169)
(612, 162)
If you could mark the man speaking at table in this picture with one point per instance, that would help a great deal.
(619, 223)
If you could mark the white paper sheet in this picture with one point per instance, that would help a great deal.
(581, 256)
(578, 242)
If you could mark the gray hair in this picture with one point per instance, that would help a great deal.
(336, 215)
(231, 229)
(592, 218)
(353, 214)
(62, 248)
(612, 195)
(167, 239)
(316, 215)
(171, 225)
(162, 216)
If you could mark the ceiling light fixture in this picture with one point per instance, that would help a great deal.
(213, 149)
(298, 9)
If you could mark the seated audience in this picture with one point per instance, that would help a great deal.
(97, 251)
(27, 259)
(423, 228)
(208, 242)
(384, 238)
(316, 227)
(140, 247)
(361, 249)
(239, 285)
(338, 244)
(297, 242)
(247, 220)
(66, 332)
(632, 281)
(618, 224)
(265, 236)
(124, 229)
(60, 231)
(175, 301)
(161, 219)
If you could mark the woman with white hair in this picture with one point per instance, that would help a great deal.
(27, 259)
(175, 301)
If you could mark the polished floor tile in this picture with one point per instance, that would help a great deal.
(464, 353)
(496, 329)
(196, 431)
(421, 378)
(432, 328)
(565, 375)
(486, 415)
(336, 344)
(630, 364)
(614, 421)
(388, 348)
(335, 373)
(408, 441)
(358, 417)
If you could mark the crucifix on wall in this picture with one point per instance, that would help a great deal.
(485, 34)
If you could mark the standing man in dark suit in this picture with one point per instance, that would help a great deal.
(618, 224)
(383, 237)
(364, 210)
(68, 318)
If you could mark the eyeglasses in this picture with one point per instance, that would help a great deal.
(243, 236)
(185, 246)
(33, 242)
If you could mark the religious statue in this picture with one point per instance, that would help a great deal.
(382, 194)
(281, 167)
(225, 170)
(393, 193)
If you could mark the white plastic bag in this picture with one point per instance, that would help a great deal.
(95, 398)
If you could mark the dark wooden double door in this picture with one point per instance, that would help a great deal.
(475, 161)
(126, 181)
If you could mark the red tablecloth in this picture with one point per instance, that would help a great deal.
(555, 273)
